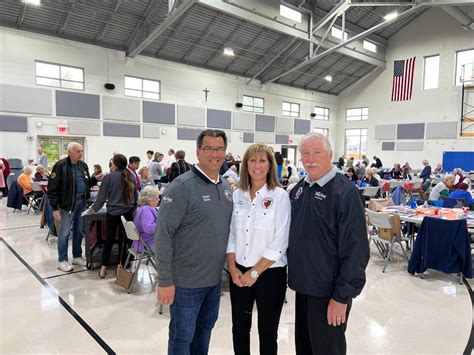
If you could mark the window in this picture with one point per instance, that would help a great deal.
(370, 46)
(290, 109)
(430, 72)
(324, 131)
(138, 87)
(466, 59)
(336, 32)
(290, 13)
(322, 113)
(357, 114)
(58, 75)
(253, 104)
(355, 142)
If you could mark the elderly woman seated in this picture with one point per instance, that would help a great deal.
(24, 180)
(442, 188)
(144, 176)
(41, 173)
(146, 216)
(462, 193)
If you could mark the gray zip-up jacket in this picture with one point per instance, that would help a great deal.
(193, 231)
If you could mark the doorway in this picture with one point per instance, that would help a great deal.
(56, 147)
(290, 152)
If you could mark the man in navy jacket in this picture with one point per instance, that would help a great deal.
(328, 250)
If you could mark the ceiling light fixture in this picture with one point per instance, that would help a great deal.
(32, 2)
(391, 16)
(328, 78)
(229, 51)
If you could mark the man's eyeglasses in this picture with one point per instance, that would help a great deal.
(208, 150)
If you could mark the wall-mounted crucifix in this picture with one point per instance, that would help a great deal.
(205, 93)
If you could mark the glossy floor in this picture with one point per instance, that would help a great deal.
(45, 311)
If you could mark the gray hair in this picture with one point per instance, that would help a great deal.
(449, 177)
(425, 162)
(315, 136)
(39, 166)
(27, 170)
(147, 194)
(71, 146)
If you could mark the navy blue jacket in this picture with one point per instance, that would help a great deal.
(425, 173)
(15, 198)
(442, 245)
(328, 247)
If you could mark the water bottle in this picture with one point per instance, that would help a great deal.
(425, 205)
(413, 203)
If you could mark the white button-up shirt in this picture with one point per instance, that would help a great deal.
(260, 227)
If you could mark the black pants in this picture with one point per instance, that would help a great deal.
(313, 335)
(111, 225)
(269, 294)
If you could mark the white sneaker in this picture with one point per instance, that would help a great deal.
(64, 266)
(79, 261)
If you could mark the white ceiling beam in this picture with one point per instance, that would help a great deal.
(466, 21)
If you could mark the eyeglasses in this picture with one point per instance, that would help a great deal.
(208, 150)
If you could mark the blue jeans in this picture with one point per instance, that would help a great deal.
(77, 231)
(193, 315)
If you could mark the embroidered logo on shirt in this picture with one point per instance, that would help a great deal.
(167, 199)
(319, 195)
(206, 198)
(267, 201)
(228, 195)
(298, 193)
(53, 176)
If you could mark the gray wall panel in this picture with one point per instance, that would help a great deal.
(409, 146)
(121, 130)
(385, 132)
(435, 130)
(13, 123)
(219, 119)
(282, 139)
(248, 137)
(284, 125)
(189, 134)
(151, 132)
(268, 138)
(411, 131)
(302, 126)
(26, 100)
(117, 108)
(74, 104)
(83, 128)
(158, 112)
(264, 123)
(191, 116)
(244, 121)
(388, 145)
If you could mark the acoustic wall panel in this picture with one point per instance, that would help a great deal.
(74, 104)
(189, 134)
(268, 138)
(121, 130)
(83, 128)
(302, 126)
(13, 123)
(116, 108)
(219, 119)
(282, 139)
(244, 121)
(248, 137)
(191, 116)
(264, 123)
(385, 132)
(435, 130)
(151, 132)
(409, 146)
(411, 131)
(388, 145)
(284, 125)
(158, 112)
(26, 100)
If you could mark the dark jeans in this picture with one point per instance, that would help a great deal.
(193, 315)
(111, 225)
(269, 294)
(313, 335)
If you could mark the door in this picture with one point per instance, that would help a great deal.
(56, 147)
(290, 152)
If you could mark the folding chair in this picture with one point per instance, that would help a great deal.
(35, 199)
(146, 253)
(369, 192)
(385, 233)
(377, 204)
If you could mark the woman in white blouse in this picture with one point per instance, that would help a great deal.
(256, 253)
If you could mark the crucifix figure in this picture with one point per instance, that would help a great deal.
(205, 93)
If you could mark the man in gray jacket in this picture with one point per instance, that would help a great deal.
(191, 241)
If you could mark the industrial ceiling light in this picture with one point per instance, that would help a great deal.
(229, 51)
(391, 16)
(32, 2)
(328, 78)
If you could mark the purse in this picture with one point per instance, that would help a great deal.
(124, 277)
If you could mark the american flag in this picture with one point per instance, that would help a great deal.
(402, 86)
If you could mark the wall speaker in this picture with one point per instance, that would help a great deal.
(313, 114)
(239, 104)
(109, 86)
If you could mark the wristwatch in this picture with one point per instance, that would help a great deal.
(254, 274)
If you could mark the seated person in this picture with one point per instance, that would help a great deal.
(41, 173)
(24, 180)
(97, 171)
(144, 177)
(351, 174)
(146, 216)
(371, 180)
(426, 172)
(459, 177)
(406, 170)
(439, 169)
(442, 188)
(461, 192)
(396, 172)
(360, 170)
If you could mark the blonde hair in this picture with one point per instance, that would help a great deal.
(254, 150)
